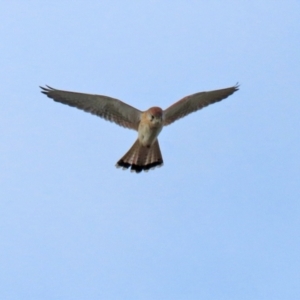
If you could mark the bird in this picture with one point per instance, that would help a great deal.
(145, 153)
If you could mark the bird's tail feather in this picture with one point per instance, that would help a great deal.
(140, 158)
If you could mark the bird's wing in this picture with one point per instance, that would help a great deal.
(195, 102)
(105, 107)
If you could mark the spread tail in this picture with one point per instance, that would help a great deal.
(140, 158)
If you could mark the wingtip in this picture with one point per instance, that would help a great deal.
(46, 89)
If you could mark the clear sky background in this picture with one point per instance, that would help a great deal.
(220, 219)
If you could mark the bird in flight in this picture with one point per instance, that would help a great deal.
(145, 152)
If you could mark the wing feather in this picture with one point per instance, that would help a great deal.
(195, 102)
(105, 107)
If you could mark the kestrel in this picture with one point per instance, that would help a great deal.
(144, 153)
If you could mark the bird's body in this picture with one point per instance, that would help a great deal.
(145, 153)
(150, 126)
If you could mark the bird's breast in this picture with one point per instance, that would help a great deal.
(148, 133)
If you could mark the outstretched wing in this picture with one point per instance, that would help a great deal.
(105, 107)
(195, 102)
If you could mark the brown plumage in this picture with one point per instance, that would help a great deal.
(145, 153)
(141, 158)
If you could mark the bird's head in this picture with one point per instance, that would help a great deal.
(155, 115)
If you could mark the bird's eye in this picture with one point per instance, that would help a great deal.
(152, 117)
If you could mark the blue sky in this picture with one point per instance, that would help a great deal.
(220, 219)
